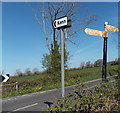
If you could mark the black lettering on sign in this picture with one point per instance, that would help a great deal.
(61, 22)
(58, 23)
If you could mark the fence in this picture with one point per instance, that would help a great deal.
(23, 85)
(6, 88)
(9, 87)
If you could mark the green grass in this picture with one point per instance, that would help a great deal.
(73, 77)
(16, 78)
(72, 73)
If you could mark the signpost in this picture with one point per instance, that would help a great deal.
(105, 35)
(4, 78)
(61, 24)
(111, 28)
(96, 32)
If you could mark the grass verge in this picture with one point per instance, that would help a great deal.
(44, 82)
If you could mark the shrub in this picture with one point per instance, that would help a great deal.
(102, 98)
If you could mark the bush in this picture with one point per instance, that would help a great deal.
(102, 98)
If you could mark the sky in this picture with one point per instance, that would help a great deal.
(23, 43)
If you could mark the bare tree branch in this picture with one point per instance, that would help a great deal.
(53, 12)
(42, 24)
(87, 23)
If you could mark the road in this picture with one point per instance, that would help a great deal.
(37, 101)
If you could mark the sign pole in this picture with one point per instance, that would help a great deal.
(62, 61)
(104, 68)
(61, 24)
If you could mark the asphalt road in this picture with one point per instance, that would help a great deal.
(37, 101)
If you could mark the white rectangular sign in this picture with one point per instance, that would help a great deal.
(60, 22)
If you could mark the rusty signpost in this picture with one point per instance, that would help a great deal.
(105, 35)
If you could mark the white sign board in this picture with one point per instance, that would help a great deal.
(60, 22)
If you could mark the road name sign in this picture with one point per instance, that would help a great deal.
(96, 32)
(112, 28)
(60, 22)
(4, 78)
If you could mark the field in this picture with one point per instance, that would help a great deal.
(41, 82)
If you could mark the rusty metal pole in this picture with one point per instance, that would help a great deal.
(104, 68)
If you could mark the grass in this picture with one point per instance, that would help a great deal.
(73, 76)
(16, 78)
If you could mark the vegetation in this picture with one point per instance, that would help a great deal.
(103, 98)
(43, 81)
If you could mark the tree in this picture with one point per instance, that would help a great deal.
(82, 65)
(46, 63)
(28, 71)
(35, 71)
(45, 18)
(18, 73)
(98, 63)
(88, 64)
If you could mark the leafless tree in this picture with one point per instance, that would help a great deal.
(18, 73)
(82, 65)
(28, 71)
(98, 63)
(35, 71)
(45, 14)
(88, 64)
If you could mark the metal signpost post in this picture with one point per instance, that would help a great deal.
(62, 62)
(105, 35)
(61, 24)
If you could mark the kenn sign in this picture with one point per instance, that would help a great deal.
(60, 22)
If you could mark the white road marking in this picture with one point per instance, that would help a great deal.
(23, 107)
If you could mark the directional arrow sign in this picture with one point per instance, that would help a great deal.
(60, 22)
(112, 28)
(4, 78)
(96, 32)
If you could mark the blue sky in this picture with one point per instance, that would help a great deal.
(23, 44)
